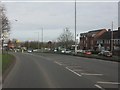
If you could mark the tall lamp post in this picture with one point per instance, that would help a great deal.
(38, 46)
(112, 37)
(75, 30)
(42, 39)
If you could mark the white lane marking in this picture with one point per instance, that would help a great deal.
(98, 86)
(73, 71)
(77, 70)
(58, 63)
(92, 74)
(100, 82)
(73, 66)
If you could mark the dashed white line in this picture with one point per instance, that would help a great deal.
(100, 82)
(77, 70)
(92, 74)
(73, 71)
(74, 66)
(98, 86)
(58, 63)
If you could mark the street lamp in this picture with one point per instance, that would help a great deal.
(38, 46)
(42, 39)
(38, 34)
(75, 30)
(112, 37)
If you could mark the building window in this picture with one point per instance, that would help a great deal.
(108, 41)
(118, 41)
(105, 41)
(101, 42)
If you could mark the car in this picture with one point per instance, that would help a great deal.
(35, 50)
(55, 50)
(88, 52)
(29, 51)
(67, 51)
(105, 53)
(63, 51)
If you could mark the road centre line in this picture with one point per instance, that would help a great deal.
(92, 74)
(100, 82)
(98, 86)
(73, 72)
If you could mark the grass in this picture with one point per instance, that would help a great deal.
(0, 64)
(7, 60)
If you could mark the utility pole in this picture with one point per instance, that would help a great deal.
(75, 30)
(112, 37)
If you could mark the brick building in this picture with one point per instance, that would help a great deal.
(107, 42)
(88, 41)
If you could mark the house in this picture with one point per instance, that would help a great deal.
(110, 40)
(10, 45)
(88, 41)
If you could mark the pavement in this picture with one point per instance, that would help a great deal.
(61, 71)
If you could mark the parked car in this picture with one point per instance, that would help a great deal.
(105, 53)
(63, 51)
(67, 51)
(55, 50)
(35, 50)
(29, 51)
(88, 52)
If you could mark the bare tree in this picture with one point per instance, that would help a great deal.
(4, 22)
(66, 38)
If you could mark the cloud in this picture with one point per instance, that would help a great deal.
(54, 17)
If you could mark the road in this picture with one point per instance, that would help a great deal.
(45, 70)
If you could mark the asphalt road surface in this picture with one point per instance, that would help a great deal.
(45, 70)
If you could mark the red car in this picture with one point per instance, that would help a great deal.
(88, 53)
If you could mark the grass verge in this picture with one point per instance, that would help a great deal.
(7, 61)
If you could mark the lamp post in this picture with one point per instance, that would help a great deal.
(38, 40)
(38, 46)
(75, 30)
(42, 38)
(112, 37)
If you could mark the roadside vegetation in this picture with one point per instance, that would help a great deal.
(0, 64)
(7, 61)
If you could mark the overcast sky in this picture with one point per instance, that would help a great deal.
(54, 17)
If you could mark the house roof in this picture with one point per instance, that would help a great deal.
(94, 32)
(107, 35)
